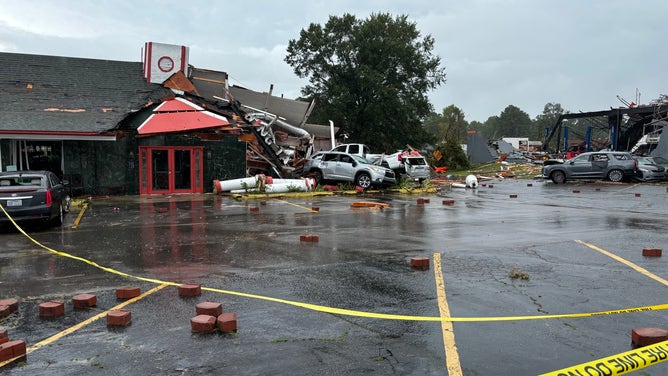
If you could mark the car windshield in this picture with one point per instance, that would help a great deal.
(659, 160)
(416, 161)
(360, 159)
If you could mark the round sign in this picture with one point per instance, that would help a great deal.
(166, 64)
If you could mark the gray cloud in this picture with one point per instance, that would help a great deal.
(496, 53)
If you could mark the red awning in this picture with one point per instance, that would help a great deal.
(179, 115)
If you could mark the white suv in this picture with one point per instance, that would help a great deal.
(336, 166)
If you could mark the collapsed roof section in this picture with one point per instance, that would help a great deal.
(620, 127)
(271, 126)
(479, 150)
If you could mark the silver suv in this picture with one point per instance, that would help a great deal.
(344, 167)
(614, 166)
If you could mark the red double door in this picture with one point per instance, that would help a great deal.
(170, 169)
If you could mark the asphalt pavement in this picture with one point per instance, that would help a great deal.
(349, 303)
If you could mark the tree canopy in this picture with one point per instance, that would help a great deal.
(371, 77)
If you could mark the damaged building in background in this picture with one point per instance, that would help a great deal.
(159, 126)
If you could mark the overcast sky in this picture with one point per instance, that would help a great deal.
(581, 54)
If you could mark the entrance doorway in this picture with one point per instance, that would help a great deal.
(170, 169)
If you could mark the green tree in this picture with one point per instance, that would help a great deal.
(491, 128)
(449, 125)
(449, 129)
(371, 77)
(546, 120)
(454, 126)
(451, 155)
(514, 122)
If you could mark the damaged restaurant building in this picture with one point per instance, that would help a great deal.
(160, 126)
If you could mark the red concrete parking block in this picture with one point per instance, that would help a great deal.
(190, 290)
(127, 292)
(227, 322)
(254, 209)
(420, 201)
(84, 301)
(119, 317)
(4, 337)
(12, 349)
(648, 336)
(420, 262)
(309, 238)
(203, 323)
(4, 311)
(491, 186)
(315, 208)
(529, 185)
(651, 252)
(513, 196)
(448, 202)
(576, 191)
(209, 308)
(51, 309)
(13, 304)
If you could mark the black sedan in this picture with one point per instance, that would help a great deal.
(33, 196)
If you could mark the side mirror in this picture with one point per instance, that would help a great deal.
(354, 164)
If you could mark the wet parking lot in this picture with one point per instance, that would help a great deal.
(349, 303)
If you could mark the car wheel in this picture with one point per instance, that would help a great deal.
(317, 175)
(363, 180)
(615, 176)
(558, 177)
(58, 220)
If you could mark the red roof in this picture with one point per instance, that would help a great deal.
(179, 115)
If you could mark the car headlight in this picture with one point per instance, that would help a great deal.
(375, 169)
(643, 169)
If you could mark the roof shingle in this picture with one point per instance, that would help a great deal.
(64, 94)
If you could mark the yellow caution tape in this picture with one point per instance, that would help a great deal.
(619, 364)
(341, 311)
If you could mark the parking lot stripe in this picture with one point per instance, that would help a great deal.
(348, 312)
(81, 213)
(626, 262)
(299, 206)
(84, 323)
(451, 354)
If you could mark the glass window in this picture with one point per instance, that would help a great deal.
(600, 157)
(346, 159)
(580, 159)
(329, 157)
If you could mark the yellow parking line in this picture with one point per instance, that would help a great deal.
(299, 206)
(81, 213)
(82, 324)
(637, 268)
(451, 355)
